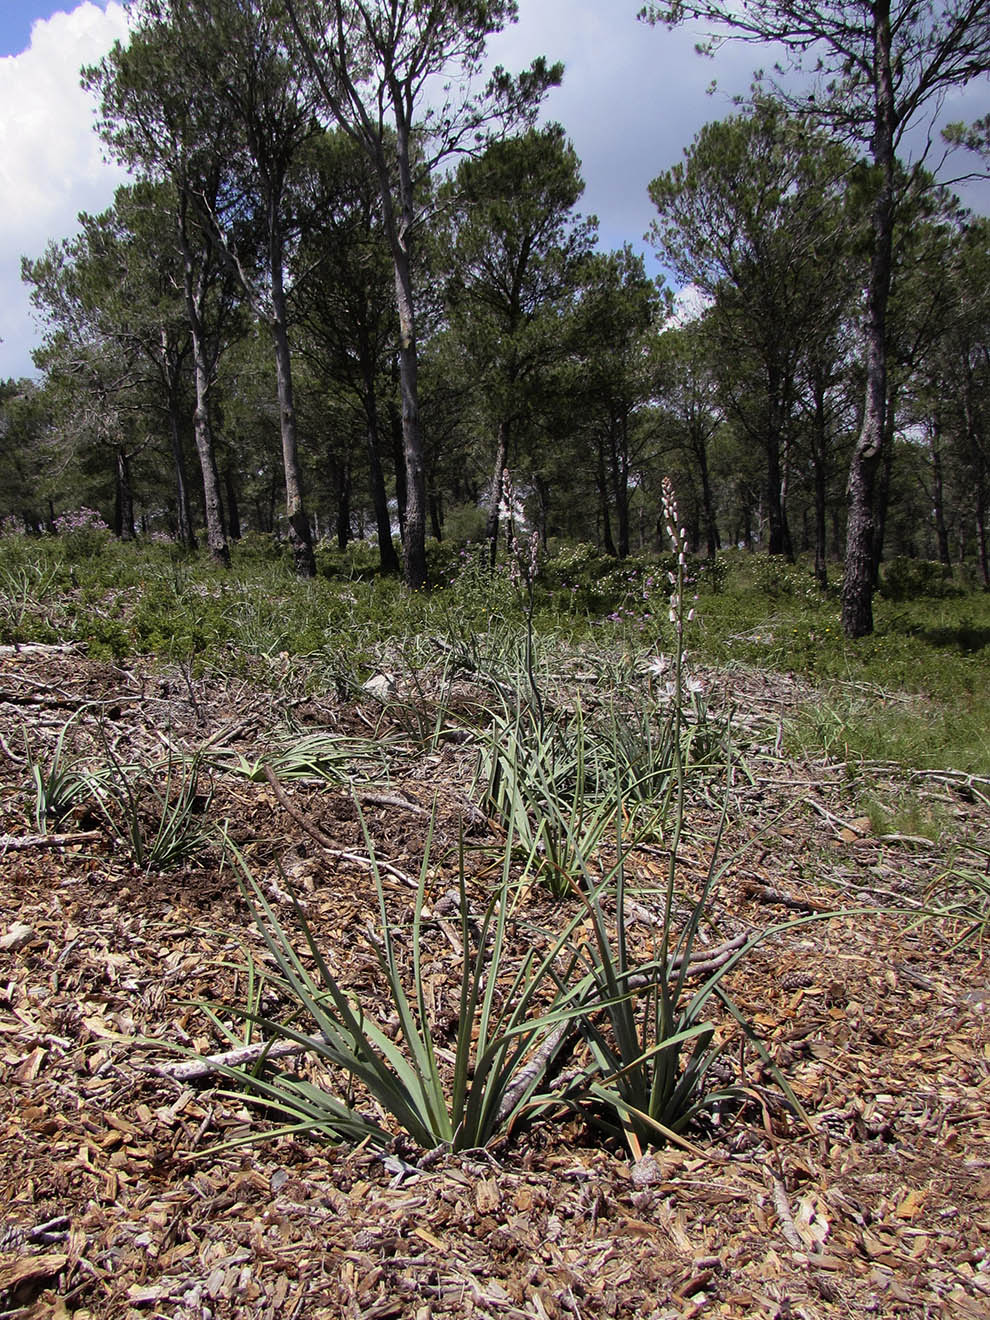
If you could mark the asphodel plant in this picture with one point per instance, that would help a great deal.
(459, 1095)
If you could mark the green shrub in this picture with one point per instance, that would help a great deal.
(907, 579)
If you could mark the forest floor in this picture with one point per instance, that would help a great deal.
(113, 1204)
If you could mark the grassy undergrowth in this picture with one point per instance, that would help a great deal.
(914, 692)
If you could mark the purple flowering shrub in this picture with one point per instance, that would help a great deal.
(83, 532)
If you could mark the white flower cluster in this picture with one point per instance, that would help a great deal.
(524, 558)
(678, 536)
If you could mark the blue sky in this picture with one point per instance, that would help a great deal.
(633, 98)
(16, 17)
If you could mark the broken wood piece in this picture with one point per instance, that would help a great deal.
(767, 895)
(18, 842)
(41, 648)
(389, 800)
(191, 1070)
(785, 1216)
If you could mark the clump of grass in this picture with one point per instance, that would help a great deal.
(57, 785)
(161, 828)
(921, 736)
(906, 815)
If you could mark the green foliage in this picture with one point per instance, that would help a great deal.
(56, 785)
(583, 580)
(776, 576)
(907, 579)
(458, 1097)
(161, 828)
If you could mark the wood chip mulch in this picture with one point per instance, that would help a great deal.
(114, 1204)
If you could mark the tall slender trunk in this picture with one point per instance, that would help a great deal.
(981, 538)
(414, 545)
(785, 481)
(857, 586)
(543, 491)
(435, 505)
(194, 291)
(233, 512)
(387, 558)
(300, 537)
(343, 505)
(712, 538)
(187, 536)
(123, 496)
(819, 445)
(607, 540)
(501, 461)
(881, 491)
(619, 456)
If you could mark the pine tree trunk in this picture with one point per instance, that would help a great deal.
(300, 537)
(857, 587)
(187, 536)
(414, 546)
(818, 465)
(387, 559)
(712, 537)
(216, 539)
(938, 502)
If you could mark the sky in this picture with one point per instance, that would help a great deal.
(632, 99)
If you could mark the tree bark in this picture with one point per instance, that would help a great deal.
(300, 537)
(607, 540)
(938, 501)
(414, 545)
(857, 587)
(187, 536)
(233, 512)
(124, 491)
(388, 560)
(713, 540)
(193, 289)
(819, 447)
(981, 538)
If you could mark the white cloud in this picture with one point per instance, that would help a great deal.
(51, 161)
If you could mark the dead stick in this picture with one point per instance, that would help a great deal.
(192, 1069)
(388, 800)
(783, 1208)
(326, 843)
(767, 895)
(17, 842)
(558, 1037)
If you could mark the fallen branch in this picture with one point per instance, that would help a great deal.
(41, 648)
(389, 800)
(193, 1069)
(558, 1038)
(18, 842)
(767, 895)
(326, 843)
(783, 1208)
